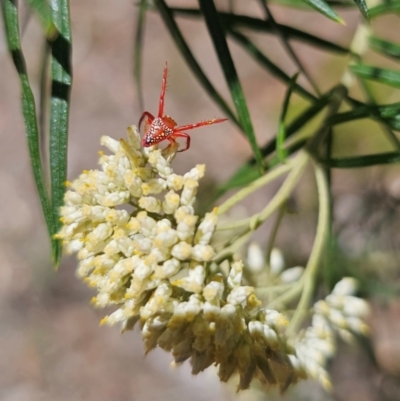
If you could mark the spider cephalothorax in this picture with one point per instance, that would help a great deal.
(164, 127)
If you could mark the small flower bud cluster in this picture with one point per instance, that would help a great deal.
(339, 313)
(222, 324)
(344, 311)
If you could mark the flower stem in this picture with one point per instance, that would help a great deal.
(289, 295)
(297, 167)
(260, 182)
(316, 253)
(229, 250)
(260, 291)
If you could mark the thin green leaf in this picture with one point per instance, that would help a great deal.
(168, 18)
(280, 141)
(378, 114)
(323, 135)
(390, 110)
(391, 7)
(381, 75)
(10, 15)
(362, 6)
(256, 24)
(325, 9)
(44, 102)
(292, 85)
(286, 44)
(387, 125)
(303, 6)
(281, 136)
(268, 64)
(298, 122)
(42, 9)
(61, 72)
(247, 173)
(385, 47)
(382, 113)
(362, 161)
(221, 47)
(138, 49)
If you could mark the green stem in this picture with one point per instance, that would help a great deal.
(260, 291)
(281, 196)
(289, 295)
(358, 47)
(274, 232)
(316, 253)
(227, 251)
(260, 182)
(281, 35)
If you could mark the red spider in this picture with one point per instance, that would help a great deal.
(163, 127)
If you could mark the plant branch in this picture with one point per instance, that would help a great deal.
(260, 182)
(299, 163)
(316, 254)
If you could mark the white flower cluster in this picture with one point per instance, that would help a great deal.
(141, 246)
(339, 313)
(225, 325)
(125, 254)
(145, 251)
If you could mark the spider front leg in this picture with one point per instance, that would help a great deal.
(163, 89)
(180, 135)
(200, 124)
(148, 115)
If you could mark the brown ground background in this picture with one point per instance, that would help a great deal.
(51, 347)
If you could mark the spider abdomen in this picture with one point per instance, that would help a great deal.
(158, 130)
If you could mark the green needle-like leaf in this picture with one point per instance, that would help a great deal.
(59, 110)
(303, 6)
(385, 47)
(231, 21)
(269, 65)
(292, 85)
(269, 18)
(325, 9)
(362, 161)
(299, 122)
(44, 100)
(388, 7)
(138, 50)
(280, 140)
(381, 75)
(42, 9)
(387, 114)
(247, 173)
(167, 16)
(281, 136)
(362, 5)
(10, 15)
(221, 47)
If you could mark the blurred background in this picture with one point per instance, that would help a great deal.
(51, 345)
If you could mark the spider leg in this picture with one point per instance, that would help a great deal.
(162, 94)
(181, 135)
(200, 124)
(145, 114)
